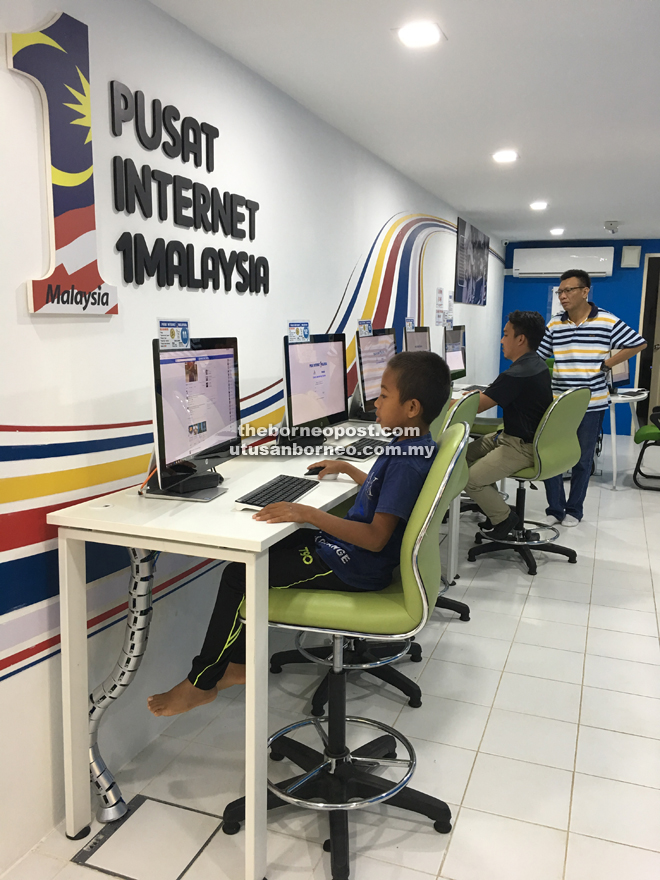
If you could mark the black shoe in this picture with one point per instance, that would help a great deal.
(503, 530)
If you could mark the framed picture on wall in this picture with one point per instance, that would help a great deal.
(471, 265)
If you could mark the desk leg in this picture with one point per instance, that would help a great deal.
(635, 420)
(73, 624)
(613, 436)
(454, 530)
(256, 716)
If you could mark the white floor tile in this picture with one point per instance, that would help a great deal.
(558, 610)
(621, 756)
(549, 634)
(627, 676)
(150, 762)
(35, 866)
(622, 597)
(550, 588)
(442, 771)
(486, 623)
(616, 811)
(495, 601)
(157, 842)
(497, 574)
(592, 859)
(520, 790)
(202, 778)
(458, 647)
(538, 696)
(77, 872)
(545, 663)
(556, 568)
(370, 869)
(58, 845)
(289, 858)
(446, 721)
(530, 738)
(623, 646)
(626, 713)
(457, 681)
(632, 578)
(622, 620)
(488, 847)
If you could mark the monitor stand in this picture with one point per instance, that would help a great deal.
(356, 410)
(196, 486)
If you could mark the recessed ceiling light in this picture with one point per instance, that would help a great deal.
(503, 156)
(419, 34)
(557, 231)
(538, 206)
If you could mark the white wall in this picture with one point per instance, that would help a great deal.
(323, 200)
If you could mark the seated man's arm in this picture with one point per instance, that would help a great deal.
(485, 402)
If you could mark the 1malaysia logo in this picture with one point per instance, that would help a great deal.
(57, 60)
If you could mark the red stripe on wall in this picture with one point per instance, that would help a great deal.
(24, 527)
(29, 652)
(385, 295)
(73, 224)
(28, 429)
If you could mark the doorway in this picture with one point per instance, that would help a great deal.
(649, 359)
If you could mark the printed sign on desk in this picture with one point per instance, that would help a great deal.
(410, 324)
(299, 331)
(173, 334)
(365, 329)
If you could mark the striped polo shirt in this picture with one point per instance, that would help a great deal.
(580, 349)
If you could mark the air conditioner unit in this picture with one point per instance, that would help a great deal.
(552, 262)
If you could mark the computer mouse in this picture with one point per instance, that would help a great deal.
(315, 471)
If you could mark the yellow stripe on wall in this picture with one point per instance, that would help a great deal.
(272, 418)
(36, 485)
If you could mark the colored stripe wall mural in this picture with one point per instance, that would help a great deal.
(43, 468)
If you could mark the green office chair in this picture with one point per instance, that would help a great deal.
(334, 778)
(464, 410)
(556, 449)
(647, 435)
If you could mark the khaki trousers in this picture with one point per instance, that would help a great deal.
(491, 458)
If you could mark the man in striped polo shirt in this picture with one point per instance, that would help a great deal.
(580, 340)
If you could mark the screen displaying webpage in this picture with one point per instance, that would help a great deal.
(199, 400)
(455, 348)
(316, 371)
(418, 341)
(454, 358)
(375, 352)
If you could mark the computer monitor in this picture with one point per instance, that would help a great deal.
(418, 339)
(197, 411)
(373, 353)
(455, 351)
(315, 377)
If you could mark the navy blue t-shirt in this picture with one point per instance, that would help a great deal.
(392, 486)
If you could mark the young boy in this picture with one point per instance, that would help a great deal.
(357, 553)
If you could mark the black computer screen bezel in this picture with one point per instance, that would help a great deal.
(325, 421)
(426, 330)
(369, 405)
(458, 374)
(220, 449)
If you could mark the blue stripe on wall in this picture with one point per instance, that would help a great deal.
(78, 447)
(250, 410)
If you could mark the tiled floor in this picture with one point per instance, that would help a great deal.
(540, 726)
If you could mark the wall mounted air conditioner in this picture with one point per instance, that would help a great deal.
(552, 262)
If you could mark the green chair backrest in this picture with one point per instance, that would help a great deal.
(420, 551)
(556, 446)
(464, 410)
(551, 364)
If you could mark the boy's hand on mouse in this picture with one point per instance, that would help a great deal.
(330, 467)
(285, 511)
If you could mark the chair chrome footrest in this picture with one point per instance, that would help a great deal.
(383, 661)
(353, 764)
(520, 542)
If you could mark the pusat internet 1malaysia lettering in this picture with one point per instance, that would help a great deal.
(189, 204)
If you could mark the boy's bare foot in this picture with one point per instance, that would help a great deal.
(181, 698)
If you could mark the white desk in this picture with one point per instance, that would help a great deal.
(213, 530)
(632, 399)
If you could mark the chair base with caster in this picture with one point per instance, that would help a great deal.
(336, 779)
(443, 601)
(647, 435)
(523, 540)
(359, 655)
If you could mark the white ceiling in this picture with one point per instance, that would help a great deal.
(572, 85)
